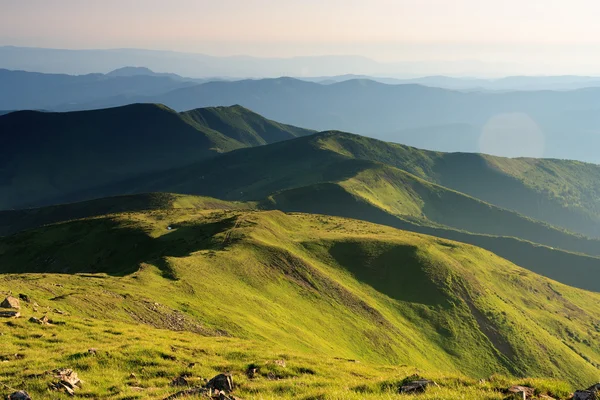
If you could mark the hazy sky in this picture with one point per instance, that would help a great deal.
(527, 31)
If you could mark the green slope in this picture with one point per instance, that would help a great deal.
(46, 158)
(561, 192)
(18, 220)
(254, 174)
(578, 270)
(318, 286)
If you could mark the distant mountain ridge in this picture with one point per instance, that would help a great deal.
(532, 124)
(526, 123)
(46, 155)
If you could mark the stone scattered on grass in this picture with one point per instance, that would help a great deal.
(11, 302)
(218, 388)
(20, 395)
(520, 392)
(67, 380)
(416, 386)
(591, 393)
(221, 382)
(9, 314)
(40, 321)
(181, 380)
(252, 370)
(25, 298)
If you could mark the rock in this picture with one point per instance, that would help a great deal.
(10, 302)
(281, 363)
(252, 370)
(67, 376)
(417, 386)
(66, 388)
(20, 395)
(585, 395)
(9, 314)
(25, 298)
(594, 388)
(521, 392)
(41, 321)
(180, 381)
(132, 376)
(221, 382)
(92, 351)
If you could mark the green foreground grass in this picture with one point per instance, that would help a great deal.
(139, 363)
(227, 288)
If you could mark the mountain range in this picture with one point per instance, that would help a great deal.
(234, 154)
(519, 123)
(167, 247)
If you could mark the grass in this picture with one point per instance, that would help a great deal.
(228, 288)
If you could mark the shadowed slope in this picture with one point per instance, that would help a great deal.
(46, 158)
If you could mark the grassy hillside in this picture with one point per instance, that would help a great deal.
(560, 192)
(573, 269)
(256, 286)
(47, 157)
(18, 220)
(255, 174)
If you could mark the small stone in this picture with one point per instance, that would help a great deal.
(20, 395)
(521, 392)
(10, 314)
(25, 298)
(221, 382)
(585, 395)
(281, 363)
(252, 370)
(180, 381)
(11, 302)
(594, 388)
(67, 376)
(93, 351)
(43, 321)
(417, 386)
(132, 376)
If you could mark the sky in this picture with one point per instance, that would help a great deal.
(530, 32)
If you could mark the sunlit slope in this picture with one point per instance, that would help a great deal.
(575, 269)
(18, 220)
(258, 173)
(313, 284)
(561, 192)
